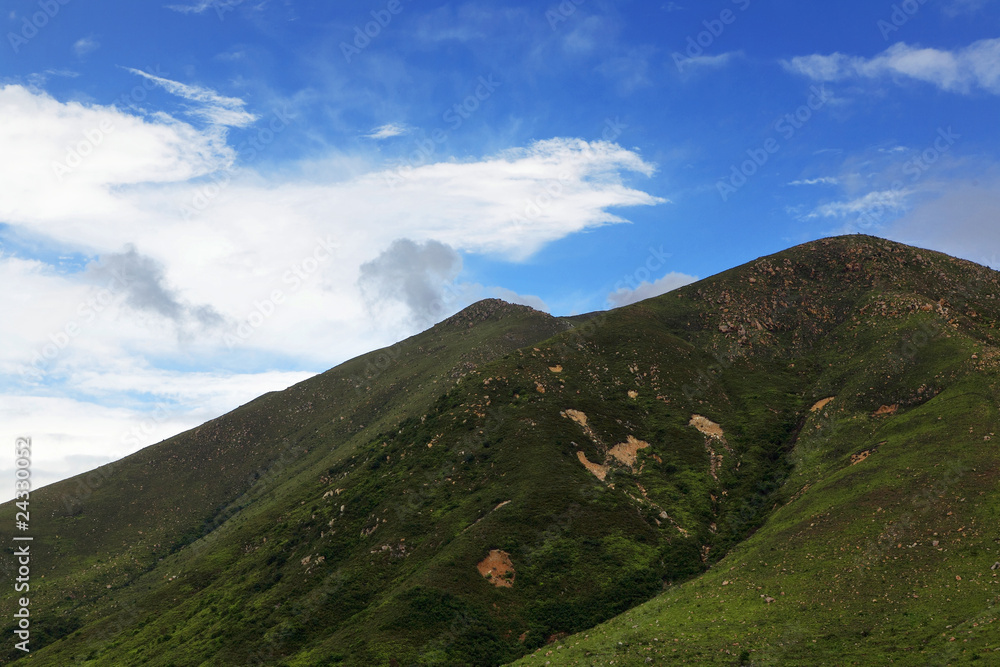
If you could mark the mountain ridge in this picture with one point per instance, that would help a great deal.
(749, 352)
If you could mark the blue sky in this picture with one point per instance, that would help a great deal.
(206, 200)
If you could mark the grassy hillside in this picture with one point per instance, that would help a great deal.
(883, 545)
(98, 532)
(506, 479)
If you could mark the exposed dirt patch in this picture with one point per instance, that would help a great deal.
(861, 456)
(599, 471)
(822, 404)
(711, 431)
(626, 452)
(556, 369)
(707, 426)
(581, 419)
(498, 568)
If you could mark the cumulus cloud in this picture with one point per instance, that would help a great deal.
(976, 66)
(647, 290)
(90, 179)
(88, 154)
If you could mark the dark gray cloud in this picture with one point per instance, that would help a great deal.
(418, 275)
(142, 281)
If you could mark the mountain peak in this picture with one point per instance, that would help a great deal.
(489, 309)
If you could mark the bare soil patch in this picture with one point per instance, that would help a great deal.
(498, 568)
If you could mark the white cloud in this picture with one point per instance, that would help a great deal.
(129, 187)
(824, 180)
(647, 290)
(85, 45)
(387, 131)
(88, 154)
(962, 71)
(213, 107)
(71, 435)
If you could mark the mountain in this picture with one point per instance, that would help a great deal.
(793, 462)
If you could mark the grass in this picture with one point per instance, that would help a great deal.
(340, 522)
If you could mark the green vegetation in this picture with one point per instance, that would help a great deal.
(341, 522)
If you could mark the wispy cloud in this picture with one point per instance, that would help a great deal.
(976, 66)
(196, 8)
(874, 204)
(213, 107)
(387, 131)
(825, 180)
(685, 63)
(963, 7)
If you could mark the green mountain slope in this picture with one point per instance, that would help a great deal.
(883, 546)
(562, 471)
